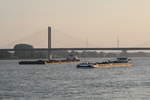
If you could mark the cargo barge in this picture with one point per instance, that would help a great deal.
(119, 62)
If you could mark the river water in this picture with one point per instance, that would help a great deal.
(66, 82)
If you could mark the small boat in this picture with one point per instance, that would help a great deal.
(32, 62)
(119, 62)
(85, 65)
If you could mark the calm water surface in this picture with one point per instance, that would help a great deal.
(66, 82)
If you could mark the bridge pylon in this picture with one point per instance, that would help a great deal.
(49, 43)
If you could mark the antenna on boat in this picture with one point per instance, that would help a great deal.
(49, 43)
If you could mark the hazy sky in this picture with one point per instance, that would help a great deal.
(76, 21)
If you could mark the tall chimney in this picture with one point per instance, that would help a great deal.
(49, 43)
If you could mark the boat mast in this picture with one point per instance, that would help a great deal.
(49, 43)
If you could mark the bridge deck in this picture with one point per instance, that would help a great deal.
(58, 49)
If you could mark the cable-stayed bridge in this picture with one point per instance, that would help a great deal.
(74, 49)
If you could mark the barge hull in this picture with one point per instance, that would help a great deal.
(112, 65)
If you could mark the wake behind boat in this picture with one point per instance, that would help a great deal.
(119, 62)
